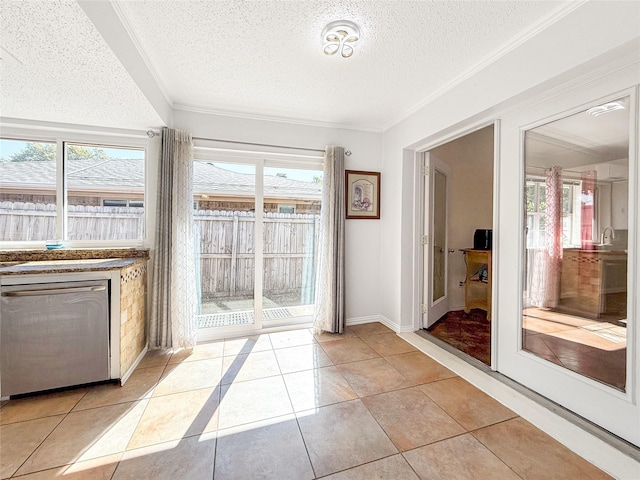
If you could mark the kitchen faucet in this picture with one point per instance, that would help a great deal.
(606, 240)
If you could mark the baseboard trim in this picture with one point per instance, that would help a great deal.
(396, 327)
(128, 373)
(603, 454)
(361, 320)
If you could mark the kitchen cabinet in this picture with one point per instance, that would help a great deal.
(127, 284)
(593, 283)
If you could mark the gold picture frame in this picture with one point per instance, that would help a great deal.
(362, 194)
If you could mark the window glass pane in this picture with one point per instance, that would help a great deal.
(101, 181)
(27, 191)
(224, 220)
(530, 192)
(542, 198)
(575, 293)
(290, 242)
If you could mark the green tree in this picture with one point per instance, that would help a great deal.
(35, 152)
(76, 152)
(41, 152)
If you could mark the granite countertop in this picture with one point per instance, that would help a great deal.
(66, 266)
(40, 255)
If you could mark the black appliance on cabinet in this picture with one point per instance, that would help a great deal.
(482, 239)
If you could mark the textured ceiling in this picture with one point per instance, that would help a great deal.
(265, 57)
(258, 58)
(65, 72)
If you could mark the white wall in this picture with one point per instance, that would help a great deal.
(362, 236)
(580, 43)
(470, 160)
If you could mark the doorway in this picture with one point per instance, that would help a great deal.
(469, 164)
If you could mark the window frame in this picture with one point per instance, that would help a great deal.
(100, 139)
(536, 214)
(261, 158)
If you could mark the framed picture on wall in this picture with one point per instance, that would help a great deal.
(362, 194)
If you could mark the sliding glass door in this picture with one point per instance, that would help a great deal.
(257, 225)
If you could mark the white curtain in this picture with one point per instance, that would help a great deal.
(329, 313)
(547, 264)
(173, 322)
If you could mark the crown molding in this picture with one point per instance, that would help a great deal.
(124, 20)
(270, 118)
(491, 58)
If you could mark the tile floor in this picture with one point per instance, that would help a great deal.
(363, 405)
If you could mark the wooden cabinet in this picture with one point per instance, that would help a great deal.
(593, 283)
(477, 286)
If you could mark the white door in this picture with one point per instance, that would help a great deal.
(567, 316)
(436, 208)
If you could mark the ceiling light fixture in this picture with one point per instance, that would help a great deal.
(340, 37)
(606, 108)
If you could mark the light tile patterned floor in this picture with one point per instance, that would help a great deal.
(363, 405)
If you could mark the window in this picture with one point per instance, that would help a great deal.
(114, 203)
(290, 209)
(99, 197)
(535, 192)
(28, 193)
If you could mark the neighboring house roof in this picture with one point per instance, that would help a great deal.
(127, 175)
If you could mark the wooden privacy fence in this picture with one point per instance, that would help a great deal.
(37, 222)
(227, 255)
(225, 239)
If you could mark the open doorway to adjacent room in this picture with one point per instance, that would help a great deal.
(458, 256)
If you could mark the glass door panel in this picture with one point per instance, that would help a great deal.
(292, 200)
(439, 243)
(225, 225)
(575, 292)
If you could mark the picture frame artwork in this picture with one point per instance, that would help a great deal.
(362, 194)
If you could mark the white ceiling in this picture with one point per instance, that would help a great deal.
(65, 72)
(258, 58)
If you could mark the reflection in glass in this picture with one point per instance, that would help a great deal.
(439, 235)
(576, 198)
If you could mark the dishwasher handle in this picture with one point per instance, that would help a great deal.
(53, 291)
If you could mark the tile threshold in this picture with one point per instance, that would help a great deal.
(589, 427)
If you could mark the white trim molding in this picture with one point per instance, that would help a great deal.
(396, 327)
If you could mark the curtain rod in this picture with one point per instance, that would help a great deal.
(547, 168)
(151, 134)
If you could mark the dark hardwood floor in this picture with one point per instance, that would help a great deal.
(468, 332)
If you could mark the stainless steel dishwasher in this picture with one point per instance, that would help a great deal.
(53, 335)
